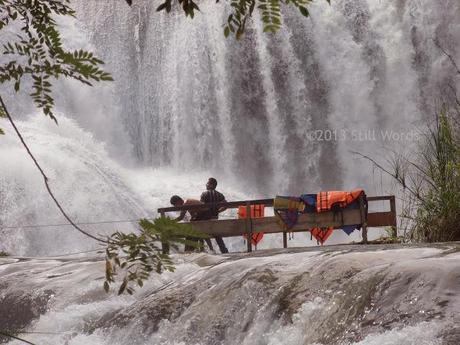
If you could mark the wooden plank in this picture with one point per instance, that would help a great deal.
(236, 204)
(231, 204)
(394, 228)
(248, 227)
(362, 209)
(164, 246)
(379, 198)
(377, 219)
(236, 227)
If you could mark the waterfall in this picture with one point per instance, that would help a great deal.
(249, 107)
(266, 115)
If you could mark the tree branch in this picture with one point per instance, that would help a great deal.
(45, 178)
(14, 337)
(448, 55)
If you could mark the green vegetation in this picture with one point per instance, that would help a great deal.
(242, 11)
(3, 254)
(430, 181)
(36, 52)
(433, 183)
(137, 255)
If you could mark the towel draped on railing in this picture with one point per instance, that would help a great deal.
(288, 209)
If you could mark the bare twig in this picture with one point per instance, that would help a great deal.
(454, 91)
(14, 337)
(395, 176)
(45, 178)
(448, 55)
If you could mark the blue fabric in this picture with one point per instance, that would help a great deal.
(310, 202)
(348, 229)
(290, 216)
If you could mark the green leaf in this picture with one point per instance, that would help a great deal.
(162, 6)
(2, 132)
(226, 31)
(123, 286)
(304, 11)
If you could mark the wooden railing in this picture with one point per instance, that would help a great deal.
(306, 221)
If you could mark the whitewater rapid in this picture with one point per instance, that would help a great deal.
(344, 295)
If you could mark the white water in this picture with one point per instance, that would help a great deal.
(249, 106)
(401, 296)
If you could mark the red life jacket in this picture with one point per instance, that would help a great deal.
(257, 211)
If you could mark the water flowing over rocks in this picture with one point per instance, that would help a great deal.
(334, 295)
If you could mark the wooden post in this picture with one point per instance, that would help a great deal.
(394, 229)
(284, 239)
(363, 219)
(164, 245)
(248, 226)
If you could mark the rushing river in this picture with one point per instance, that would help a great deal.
(342, 295)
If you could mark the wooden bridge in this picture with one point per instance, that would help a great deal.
(306, 221)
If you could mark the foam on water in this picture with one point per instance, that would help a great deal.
(293, 298)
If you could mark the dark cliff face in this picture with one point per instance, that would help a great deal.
(336, 295)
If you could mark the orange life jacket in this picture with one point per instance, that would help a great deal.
(257, 211)
(325, 200)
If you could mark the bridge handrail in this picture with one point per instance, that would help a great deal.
(236, 204)
(226, 204)
(236, 227)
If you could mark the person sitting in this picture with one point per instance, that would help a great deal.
(195, 215)
(212, 196)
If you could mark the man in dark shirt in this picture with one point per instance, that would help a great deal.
(212, 196)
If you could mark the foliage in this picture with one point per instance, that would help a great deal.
(3, 254)
(242, 10)
(434, 182)
(138, 255)
(37, 51)
(430, 182)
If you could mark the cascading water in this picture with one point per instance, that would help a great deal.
(266, 115)
(249, 107)
(340, 296)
